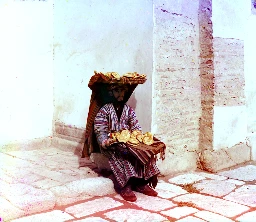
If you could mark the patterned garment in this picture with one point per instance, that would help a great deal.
(106, 121)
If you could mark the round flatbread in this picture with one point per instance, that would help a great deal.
(129, 74)
(147, 140)
(115, 75)
(148, 134)
(136, 132)
(124, 136)
(133, 141)
(139, 137)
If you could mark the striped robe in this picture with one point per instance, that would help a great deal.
(106, 121)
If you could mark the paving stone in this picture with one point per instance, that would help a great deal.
(17, 172)
(46, 183)
(93, 206)
(55, 215)
(53, 165)
(244, 195)
(213, 204)
(98, 186)
(7, 160)
(246, 173)
(211, 176)
(62, 201)
(68, 171)
(133, 215)
(3, 184)
(247, 217)
(64, 191)
(156, 203)
(92, 219)
(19, 153)
(81, 173)
(6, 178)
(65, 196)
(54, 175)
(34, 201)
(179, 212)
(19, 176)
(83, 170)
(167, 190)
(209, 216)
(216, 188)
(28, 158)
(8, 211)
(47, 173)
(190, 219)
(236, 182)
(52, 151)
(186, 178)
(29, 179)
(17, 189)
(10, 161)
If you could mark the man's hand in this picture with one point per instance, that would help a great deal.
(107, 142)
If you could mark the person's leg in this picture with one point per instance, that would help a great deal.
(123, 172)
(127, 193)
(141, 186)
(148, 181)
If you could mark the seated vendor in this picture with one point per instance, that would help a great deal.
(129, 172)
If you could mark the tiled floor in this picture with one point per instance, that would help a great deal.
(49, 185)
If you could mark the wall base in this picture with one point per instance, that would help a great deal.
(217, 160)
(252, 142)
(39, 143)
(177, 162)
(68, 145)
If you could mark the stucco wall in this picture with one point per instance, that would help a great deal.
(26, 86)
(250, 79)
(104, 36)
(176, 82)
(229, 32)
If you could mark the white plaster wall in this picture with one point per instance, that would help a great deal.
(230, 126)
(250, 79)
(250, 71)
(230, 20)
(26, 90)
(102, 35)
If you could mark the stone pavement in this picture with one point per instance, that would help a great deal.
(55, 185)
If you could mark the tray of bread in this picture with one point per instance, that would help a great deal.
(134, 138)
(138, 140)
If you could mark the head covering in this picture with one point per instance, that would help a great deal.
(100, 84)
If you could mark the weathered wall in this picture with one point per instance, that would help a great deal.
(206, 74)
(230, 116)
(229, 34)
(104, 36)
(176, 82)
(26, 86)
(250, 78)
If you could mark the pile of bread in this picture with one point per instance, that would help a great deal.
(135, 137)
(115, 75)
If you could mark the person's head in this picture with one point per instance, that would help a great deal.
(118, 91)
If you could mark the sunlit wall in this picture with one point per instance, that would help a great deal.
(103, 36)
(26, 70)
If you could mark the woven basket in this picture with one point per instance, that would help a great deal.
(99, 77)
